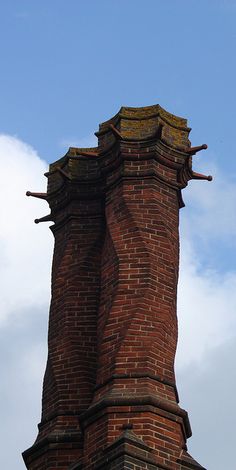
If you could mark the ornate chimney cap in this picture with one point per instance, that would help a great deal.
(145, 123)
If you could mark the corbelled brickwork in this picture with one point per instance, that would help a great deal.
(109, 397)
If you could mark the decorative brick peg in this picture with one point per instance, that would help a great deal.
(109, 395)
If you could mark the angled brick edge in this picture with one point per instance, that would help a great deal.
(128, 445)
(53, 441)
(187, 462)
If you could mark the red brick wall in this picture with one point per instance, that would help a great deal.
(73, 320)
(137, 324)
(138, 330)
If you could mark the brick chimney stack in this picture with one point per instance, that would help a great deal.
(109, 395)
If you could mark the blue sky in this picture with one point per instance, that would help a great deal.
(66, 66)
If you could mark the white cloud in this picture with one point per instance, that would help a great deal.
(212, 215)
(206, 309)
(23, 347)
(207, 289)
(25, 253)
(207, 392)
(25, 249)
(207, 323)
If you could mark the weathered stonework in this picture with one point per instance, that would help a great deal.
(109, 396)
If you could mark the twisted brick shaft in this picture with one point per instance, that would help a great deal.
(137, 326)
